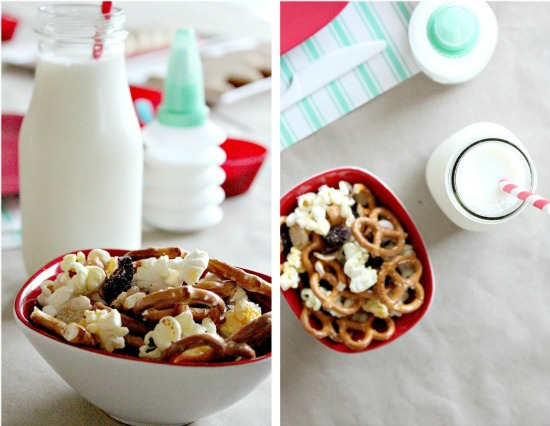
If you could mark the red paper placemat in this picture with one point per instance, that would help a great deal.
(300, 20)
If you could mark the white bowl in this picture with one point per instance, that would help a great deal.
(133, 390)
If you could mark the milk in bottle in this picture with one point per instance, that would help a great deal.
(81, 155)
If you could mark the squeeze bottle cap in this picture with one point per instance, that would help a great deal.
(453, 30)
(183, 103)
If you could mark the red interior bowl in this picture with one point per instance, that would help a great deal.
(388, 199)
(26, 299)
(243, 162)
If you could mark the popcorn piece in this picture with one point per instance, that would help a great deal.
(376, 307)
(131, 300)
(48, 287)
(236, 318)
(209, 326)
(84, 279)
(166, 332)
(70, 259)
(127, 299)
(53, 301)
(239, 294)
(156, 274)
(362, 277)
(171, 329)
(73, 310)
(291, 269)
(194, 264)
(99, 257)
(312, 208)
(188, 327)
(107, 325)
(310, 300)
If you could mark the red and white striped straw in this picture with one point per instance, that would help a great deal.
(524, 195)
(98, 43)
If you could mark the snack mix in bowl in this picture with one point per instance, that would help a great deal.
(163, 305)
(348, 267)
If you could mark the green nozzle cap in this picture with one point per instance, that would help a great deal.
(453, 30)
(183, 102)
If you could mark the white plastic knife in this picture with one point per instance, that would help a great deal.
(327, 69)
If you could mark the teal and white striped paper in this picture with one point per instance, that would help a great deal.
(358, 22)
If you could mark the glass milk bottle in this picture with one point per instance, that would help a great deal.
(80, 146)
(464, 171)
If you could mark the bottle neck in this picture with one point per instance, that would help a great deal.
(80, 32)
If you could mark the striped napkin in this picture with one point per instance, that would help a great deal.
(358, 22)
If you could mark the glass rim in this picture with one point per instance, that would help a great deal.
(456, 193)
(58, 8)
(80, 22)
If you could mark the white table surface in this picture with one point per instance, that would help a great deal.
(32, 393)
(481, 354)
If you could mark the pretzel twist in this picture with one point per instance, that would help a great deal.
(73, 333)
(335, 300)
(255, 333)
(310, 318)
(370, 234)
(213, 348)
(226, 289)
(172, 302)
(394, 293)
(364, 198)
(146, 253)
(249, 282)
(316, 244)
(358, 335)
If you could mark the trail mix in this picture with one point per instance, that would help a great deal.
(162, 304)
(351, 263)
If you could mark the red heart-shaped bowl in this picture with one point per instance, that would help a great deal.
(388, 199)
(175, 394)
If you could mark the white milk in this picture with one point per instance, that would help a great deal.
(464, 170)
(81, 160)
(478, 172)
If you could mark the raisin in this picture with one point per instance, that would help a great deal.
(336, 237)
(120, 280)
(285, 239)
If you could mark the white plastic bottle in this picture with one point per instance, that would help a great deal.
(452, 41)
(81, 150)
(183, 157)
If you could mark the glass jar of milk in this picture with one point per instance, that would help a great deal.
(464, 171)
(81, 151)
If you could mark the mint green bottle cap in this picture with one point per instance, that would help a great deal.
(453, 30)
(183, 103)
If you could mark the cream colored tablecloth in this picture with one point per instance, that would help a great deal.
(481, 354)
(32, 393)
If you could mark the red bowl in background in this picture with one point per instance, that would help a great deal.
(11, 124)
(9, 24)
(388, 199)
(152, 95)
(244, 159)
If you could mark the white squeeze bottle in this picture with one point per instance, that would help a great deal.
(183, 177)
(80, 146)
(452, 41)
